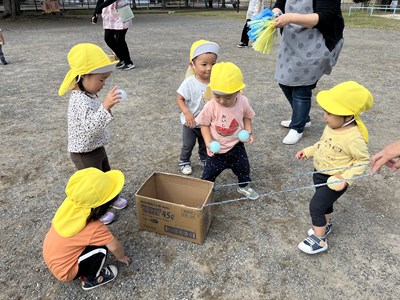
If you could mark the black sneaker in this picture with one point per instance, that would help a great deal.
(328, 230)
(4, 62)
(120, 65)
(242, 45)
(128, 67)
(313, 245)
(107, 274)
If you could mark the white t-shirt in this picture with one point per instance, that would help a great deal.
(193, 91)
(253, 8)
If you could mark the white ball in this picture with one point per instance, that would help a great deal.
(122, 94)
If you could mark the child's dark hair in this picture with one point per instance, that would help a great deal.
(97, 212)
(79, 82)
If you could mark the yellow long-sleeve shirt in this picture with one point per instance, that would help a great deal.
(337, 149)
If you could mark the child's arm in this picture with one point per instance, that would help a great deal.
(248, 126)
(117, 250)
(189, 117)
(206, 133)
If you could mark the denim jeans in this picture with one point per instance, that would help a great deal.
(299, 98)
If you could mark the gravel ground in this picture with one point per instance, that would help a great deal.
(251, 248)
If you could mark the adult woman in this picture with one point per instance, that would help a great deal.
(312, 38)
(115, 30)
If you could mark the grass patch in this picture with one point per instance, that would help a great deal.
(363, 20)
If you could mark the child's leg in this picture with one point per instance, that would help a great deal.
(321, 204)
(214, 166)
(202, 145)
(240, 164)
(188, 142)
(91, 261)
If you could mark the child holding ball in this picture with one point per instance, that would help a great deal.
(203, 55)
(343, 144)
(222, 118)
(87, 116)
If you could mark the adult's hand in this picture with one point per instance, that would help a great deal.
(94, 19)
(389, 156)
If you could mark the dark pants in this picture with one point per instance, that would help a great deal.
(95, 159)
(91, 261)
(245, 37)
(299, 98)
(235, 159)
(189, 137)
(115, 39)
(322, 201)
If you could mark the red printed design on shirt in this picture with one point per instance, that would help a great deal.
(227, 131)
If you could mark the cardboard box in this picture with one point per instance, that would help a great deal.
(172, 205)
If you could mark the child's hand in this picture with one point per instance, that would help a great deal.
(209, 152)
(300, 155)
(190, 122)
(111, 99)
(337, 186)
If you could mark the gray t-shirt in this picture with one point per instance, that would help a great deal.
(303, 56)
(193, 91)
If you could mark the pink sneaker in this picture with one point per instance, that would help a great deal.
(120, 203)
(107, 218)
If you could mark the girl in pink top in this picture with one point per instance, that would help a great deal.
(222, 118)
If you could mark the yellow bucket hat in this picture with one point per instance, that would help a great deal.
(347, 99)
(86, 189)
(226, 78)
(85, 59)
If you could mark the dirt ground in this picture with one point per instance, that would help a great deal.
(251, 248)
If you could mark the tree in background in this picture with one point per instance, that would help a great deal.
(12, 8)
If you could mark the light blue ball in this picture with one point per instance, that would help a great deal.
(215, 147)
(243, 135)
(122, 94)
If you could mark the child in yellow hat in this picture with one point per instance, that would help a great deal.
(87, 116)
(343, 144)
(203, 56)
(222, 118)
(77, 244)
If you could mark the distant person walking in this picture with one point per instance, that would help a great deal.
(115, 30)
(2, 58)
(255, 6)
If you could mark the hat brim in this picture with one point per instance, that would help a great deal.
(104, 69)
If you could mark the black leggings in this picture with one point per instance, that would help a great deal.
(235, 159)
(91, 261)
(322, 201)
(115, 39)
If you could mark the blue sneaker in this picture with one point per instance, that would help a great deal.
(107, 275)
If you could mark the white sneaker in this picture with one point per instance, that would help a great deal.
(292, 137)
(287, 123)
(186, 169)
(248, 192)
